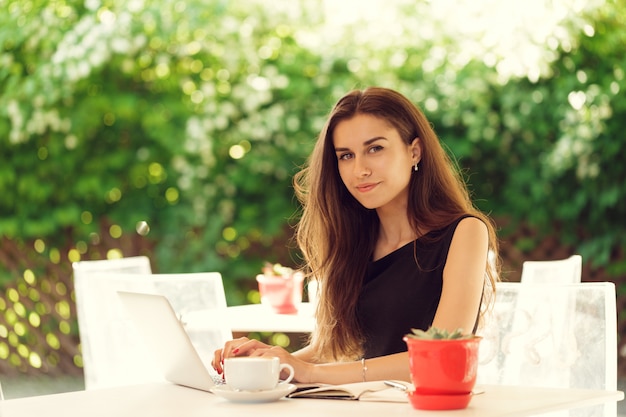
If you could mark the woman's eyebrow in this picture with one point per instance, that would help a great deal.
(366, 143)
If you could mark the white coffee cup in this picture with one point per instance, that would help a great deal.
(255, 373)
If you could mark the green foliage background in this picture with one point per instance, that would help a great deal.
(193, 116)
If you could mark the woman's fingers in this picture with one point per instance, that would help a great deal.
(229, 350)
(238, 347)
(248, 348)
(216, 363)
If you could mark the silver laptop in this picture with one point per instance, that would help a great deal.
(165, 336)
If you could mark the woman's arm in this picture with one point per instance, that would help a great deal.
(386, 367)
(306, 354)
(463, 277)
(394, 366)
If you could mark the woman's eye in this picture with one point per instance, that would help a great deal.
(375, 149)
(345, 156)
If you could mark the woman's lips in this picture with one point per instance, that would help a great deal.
(366, 187)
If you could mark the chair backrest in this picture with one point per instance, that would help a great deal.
(552, 335)
(563, 271)
(132, 264)
(82, 271)
(116, 354)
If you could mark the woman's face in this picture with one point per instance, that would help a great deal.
(375, 164)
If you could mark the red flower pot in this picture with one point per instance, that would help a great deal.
(443, 367)
(282, 294)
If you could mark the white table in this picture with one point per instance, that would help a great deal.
(261, 318)
(167, 400)
(256, 318)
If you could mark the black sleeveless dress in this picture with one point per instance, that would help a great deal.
(398, 295)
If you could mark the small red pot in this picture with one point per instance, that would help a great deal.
(443, 367)
(282, 294)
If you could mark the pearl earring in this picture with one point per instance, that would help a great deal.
(415, 167)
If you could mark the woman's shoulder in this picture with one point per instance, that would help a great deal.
(469, 221)
(465, 222)
(472, 227)
(470, 232)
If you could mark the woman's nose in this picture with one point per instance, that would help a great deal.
(360, 169)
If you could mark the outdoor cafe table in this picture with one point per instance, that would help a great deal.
(168, 400)
(254, 318)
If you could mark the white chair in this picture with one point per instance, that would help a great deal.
(132, 264)
(552, 335)
(82, 271)
(564, 271)
(117, 355)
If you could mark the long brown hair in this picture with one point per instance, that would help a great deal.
(337, 235)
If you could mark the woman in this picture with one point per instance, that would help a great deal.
(389, 231)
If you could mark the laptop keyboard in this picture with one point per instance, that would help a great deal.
(217, 379)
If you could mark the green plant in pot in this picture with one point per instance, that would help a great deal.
(443, 367)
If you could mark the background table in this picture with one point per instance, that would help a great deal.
(167, 400)
(255, 318)
(261, 318)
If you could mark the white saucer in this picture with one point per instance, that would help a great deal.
(275, 394)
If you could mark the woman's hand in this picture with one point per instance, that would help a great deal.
(252, 347)
(230, 349)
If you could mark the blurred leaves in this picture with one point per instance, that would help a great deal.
(194, 115)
